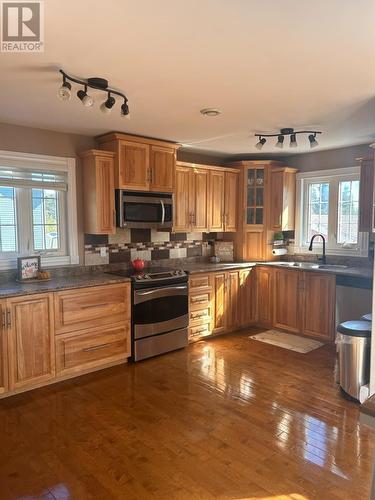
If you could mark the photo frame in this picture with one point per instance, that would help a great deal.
(28, 268)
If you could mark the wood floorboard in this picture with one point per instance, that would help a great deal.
(227, 418)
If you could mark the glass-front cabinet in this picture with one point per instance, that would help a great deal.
(255, 196)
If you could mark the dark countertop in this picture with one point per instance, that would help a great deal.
(12, 288)
(207, 267)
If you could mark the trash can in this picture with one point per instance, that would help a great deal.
(353, 345)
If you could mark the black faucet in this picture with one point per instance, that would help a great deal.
(323, 258)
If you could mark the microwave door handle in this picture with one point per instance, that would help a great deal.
(162, 212)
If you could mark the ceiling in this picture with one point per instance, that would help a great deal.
(266, 65)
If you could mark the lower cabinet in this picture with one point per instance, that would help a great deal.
(31, 343)
(3, 349)
(221, 302)
(299, 302)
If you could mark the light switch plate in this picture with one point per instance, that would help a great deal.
(103, 251)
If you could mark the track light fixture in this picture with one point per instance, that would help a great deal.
(64, 92)
(293, 137)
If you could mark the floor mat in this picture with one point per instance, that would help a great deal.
(287, 341)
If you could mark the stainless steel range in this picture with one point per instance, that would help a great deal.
(159, 312)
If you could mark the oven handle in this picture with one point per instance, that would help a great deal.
(159, 292)
(162, 212)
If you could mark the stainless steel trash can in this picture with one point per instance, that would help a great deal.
(353, 343)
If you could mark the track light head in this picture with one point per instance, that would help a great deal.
(313, 142)
(107, 105)
(64, 91)
(125, 110)
(280, 141)
(87, 100)
(260, 143)
(293, 141)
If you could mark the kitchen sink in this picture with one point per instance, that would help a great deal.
(332, 266)
(301, 265)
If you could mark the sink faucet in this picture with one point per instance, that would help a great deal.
(323, 258)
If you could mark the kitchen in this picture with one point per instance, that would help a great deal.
(170, 302)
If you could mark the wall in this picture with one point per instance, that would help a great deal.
(48, 142)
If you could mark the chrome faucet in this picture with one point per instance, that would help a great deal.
(323, 258)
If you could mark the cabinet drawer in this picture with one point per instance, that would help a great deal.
(200, 300)
(77, 352)
(199, 316)
(91, 307)
(196, 332)
(199, 281)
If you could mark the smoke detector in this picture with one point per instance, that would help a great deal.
(210, 112)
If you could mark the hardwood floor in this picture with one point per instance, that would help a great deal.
(229, 418)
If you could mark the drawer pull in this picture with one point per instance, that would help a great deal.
(199, 301)
(95, 305)
(197, 316)
(96, 347)
(197, 332)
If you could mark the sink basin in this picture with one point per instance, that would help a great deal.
(301, 265)
(332, 266)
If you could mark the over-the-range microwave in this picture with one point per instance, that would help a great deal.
(144, 210)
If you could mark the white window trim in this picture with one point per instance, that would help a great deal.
(361, 250)
(58, 163)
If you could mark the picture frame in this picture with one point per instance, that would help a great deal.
(28, 268)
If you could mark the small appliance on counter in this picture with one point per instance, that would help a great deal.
(160, 307)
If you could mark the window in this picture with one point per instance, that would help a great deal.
(37, 209)
(328, 204)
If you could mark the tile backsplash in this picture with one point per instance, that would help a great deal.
(148, 244)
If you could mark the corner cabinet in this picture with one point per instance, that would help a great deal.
(98, 192)
(141, 164)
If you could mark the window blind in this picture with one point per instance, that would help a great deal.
(27, 178)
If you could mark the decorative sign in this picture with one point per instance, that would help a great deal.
(28, 268)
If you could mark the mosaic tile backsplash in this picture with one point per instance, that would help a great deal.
(147, 244)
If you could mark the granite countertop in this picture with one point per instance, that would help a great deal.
(12, 288)
(207, 267)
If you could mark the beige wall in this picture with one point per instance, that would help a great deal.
(48, 142)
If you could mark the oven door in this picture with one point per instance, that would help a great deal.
(142, 211)
(160, 310)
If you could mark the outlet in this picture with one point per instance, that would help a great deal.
(103, 251)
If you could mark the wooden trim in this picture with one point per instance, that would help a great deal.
(118, 136)
(207, 167)
(97, 152)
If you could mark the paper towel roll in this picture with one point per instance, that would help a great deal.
(279, 251)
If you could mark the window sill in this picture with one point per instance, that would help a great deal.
(8, 264)
(347, 252)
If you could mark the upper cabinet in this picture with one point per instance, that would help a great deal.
(205, 198)
(254, 199)
(282, 182)
(98, 192)
(141, 164)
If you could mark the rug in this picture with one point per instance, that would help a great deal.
(287, 341)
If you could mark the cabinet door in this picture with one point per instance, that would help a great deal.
(30, 340)
(219, 319)
(217, 200)
(319, 305)
(232, 298)
(182, 207)
(231, 199)
(3, 349)
(247, 296)
(105, 196)
(287, 295)
(134, 165)
(201, 196)
(162, 169)
(264, 277)
(276, 199)
(254, 245)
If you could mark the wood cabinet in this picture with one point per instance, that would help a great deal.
(219, 290)
(191, 199)
(91, 307)
(264, 280)
(31, 347)
(201, 304)
(230, 211)
(319, 300)
(232, 299)
(287, 295)
(141, 164)
(217, 200)
(366, 194)
(3, 348)
(282, 187)
(247, 297)
(98, 192)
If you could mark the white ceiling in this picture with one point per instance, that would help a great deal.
(266, 64)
